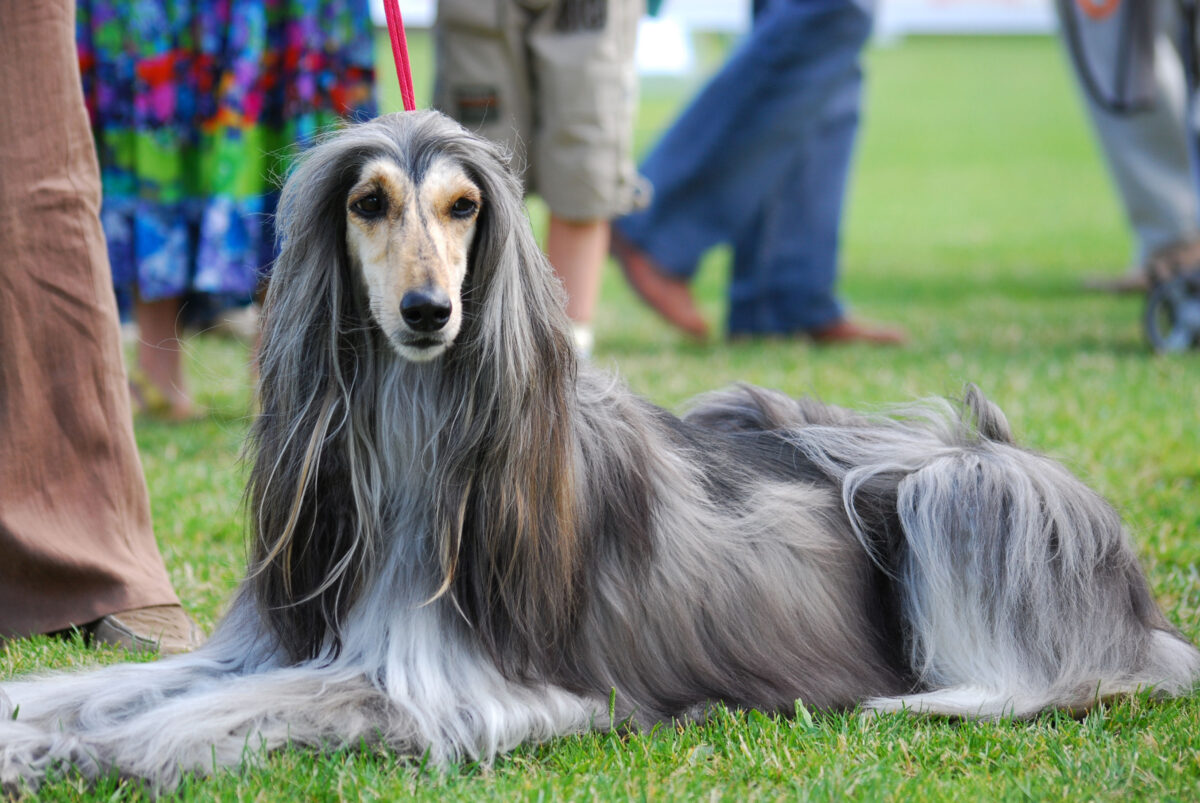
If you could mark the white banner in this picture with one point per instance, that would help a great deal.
(896, 17)
(899, 17)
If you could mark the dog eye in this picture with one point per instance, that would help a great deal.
(463, 208)
(369, 205)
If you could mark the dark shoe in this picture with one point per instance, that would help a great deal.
(1173, 260)
(669, 297)
(1165, 263)
(1135, 282)
(165, 628)
(848, 331)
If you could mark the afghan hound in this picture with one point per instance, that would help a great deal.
(465, 539)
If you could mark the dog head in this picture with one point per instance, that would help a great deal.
(409, 236)
(407, 278)
(415, 228)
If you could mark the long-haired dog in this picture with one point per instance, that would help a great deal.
(465, 540)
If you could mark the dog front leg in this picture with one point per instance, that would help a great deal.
(208, 727)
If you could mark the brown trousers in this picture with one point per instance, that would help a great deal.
(75, 535)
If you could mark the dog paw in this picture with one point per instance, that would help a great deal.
(27, 754)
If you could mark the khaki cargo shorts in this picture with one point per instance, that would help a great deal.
(554, 81)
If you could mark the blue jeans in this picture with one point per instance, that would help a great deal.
(760, 160)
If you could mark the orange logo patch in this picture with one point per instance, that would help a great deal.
(1098, 9)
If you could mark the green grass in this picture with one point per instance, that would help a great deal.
(978, 204)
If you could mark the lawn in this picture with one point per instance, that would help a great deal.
(979, 203)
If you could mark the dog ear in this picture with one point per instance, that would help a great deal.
(309, 546)
(508, 510)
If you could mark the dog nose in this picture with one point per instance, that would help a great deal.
(425, 310)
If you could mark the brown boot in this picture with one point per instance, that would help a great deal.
(165, 628)
(848, 331)
(669, 297)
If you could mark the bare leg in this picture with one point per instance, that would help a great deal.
(161, 359)
(577, 250)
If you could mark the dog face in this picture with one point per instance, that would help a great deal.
(410, 239)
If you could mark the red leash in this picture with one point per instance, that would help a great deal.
(400, 53)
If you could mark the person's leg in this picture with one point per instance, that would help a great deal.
(714, 167)
(728, 157)
(581, 147)
(577, 250)
(160, 358)
(75, 530)
(786, 265)
(1147, 151)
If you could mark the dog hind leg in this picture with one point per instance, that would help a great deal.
(1170, 669)
(970, 702)
(1019, 580)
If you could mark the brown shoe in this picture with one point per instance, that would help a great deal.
(848, 331)
(669, 297)
(165, 628)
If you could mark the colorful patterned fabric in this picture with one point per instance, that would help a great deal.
(196, 106)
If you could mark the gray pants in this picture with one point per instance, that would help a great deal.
(1148, 151)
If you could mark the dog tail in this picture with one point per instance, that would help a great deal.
(1019, 588)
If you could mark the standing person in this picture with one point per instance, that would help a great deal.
(554, 81)
(1129, 60)
(75, 534)
(194, 105)
(760, 159)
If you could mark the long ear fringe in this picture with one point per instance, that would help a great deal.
(507, 506)
(310, 546)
